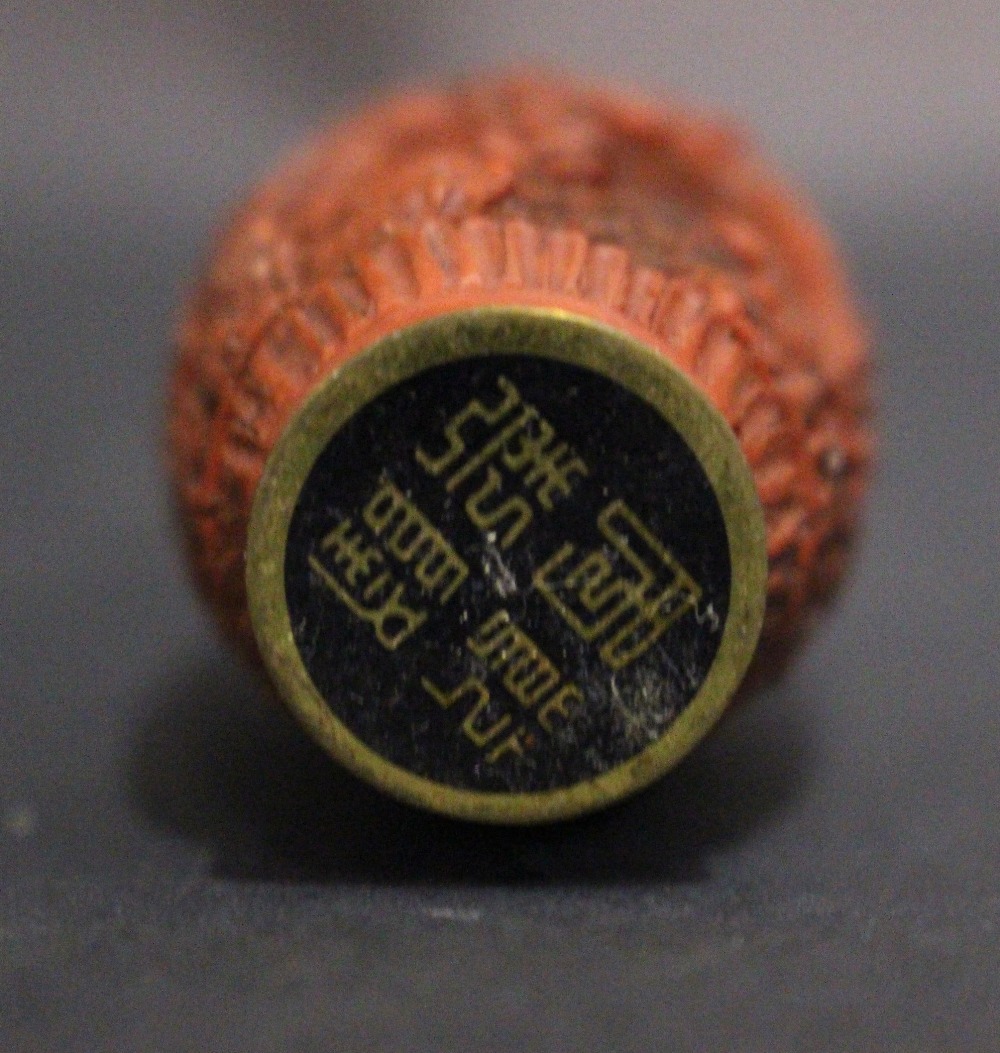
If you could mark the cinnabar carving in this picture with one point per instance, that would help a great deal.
(536, 191)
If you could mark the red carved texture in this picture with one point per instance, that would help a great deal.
(531, 190)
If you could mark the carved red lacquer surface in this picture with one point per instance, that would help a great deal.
(536, 191)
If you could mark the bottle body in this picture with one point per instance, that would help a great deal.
(528, 195)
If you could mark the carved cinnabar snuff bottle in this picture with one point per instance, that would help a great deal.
(510, 421)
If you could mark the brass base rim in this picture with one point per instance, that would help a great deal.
(580, 341)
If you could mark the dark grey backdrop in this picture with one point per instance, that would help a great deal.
(182, 871)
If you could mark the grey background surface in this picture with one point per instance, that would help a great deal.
(181, 870)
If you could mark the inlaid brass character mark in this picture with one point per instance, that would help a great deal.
(529, 678)
(477, 727)
(393, 620)
(515, 511)
(357, 574)
(528, 675)
(520, 440)
(630, 608)
(414, 540)
(473, 410)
